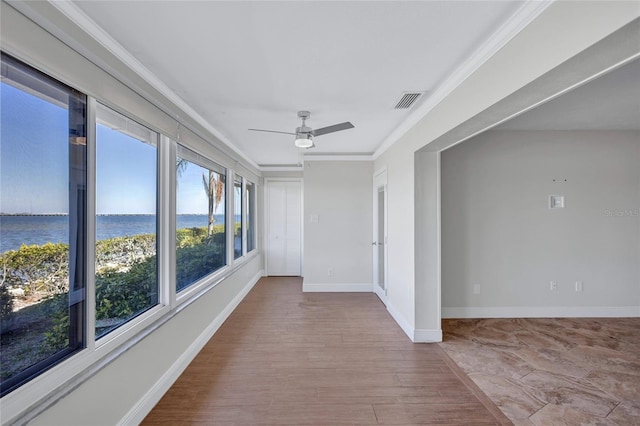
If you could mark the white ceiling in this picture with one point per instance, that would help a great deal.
(610, 102)
(243, 65)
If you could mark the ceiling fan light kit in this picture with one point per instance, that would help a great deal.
(304, 140)
(304, 134)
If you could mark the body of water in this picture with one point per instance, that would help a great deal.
(18, 230)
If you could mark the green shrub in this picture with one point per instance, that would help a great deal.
(57, 336)
(195, 261)
(124, 251)
(121, 294)
(37, 269)
(6, 307)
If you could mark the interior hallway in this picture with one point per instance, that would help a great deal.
(287, 357)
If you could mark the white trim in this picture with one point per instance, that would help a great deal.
(151, 398)
(427, 336)
(523, 17)
(542, 312)
(292, 168)
(439, 236)
(90, 264)
(545, 100)
(92, 29)
(337, 288)
(404, 325)
(338, 157)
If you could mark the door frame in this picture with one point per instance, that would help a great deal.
(265, 221)
(380, 181)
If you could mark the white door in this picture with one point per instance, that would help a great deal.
(284, 228)
(379, 244)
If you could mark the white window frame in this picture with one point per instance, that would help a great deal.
(35, 396)
(210, 280)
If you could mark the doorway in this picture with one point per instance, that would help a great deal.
(379, 244)
(284, 227)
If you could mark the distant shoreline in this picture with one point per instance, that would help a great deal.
(34, 214)
(106, 214)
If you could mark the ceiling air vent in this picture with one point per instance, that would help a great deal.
(407, 100)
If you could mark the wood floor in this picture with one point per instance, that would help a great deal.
(287, 357)
(548, 371)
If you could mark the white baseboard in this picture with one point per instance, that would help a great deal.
(542, 312)
(402, 322)
(151, 398)
(427, 336)
(338, 288)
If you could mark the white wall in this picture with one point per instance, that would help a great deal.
(398, 161)
(498, 231)
(562, 31)
(339, 195)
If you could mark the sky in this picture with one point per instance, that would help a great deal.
(190, 195)
(125, 174)
(34, 176)
(34, 154)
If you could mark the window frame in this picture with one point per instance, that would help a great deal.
(251, 207)
(237, 179)
(204, 283)
(34, 82)
(26, 402)
(160, 213)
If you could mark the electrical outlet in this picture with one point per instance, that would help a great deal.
(330, 271)
(476, 289)
(578, 286)
(553, 285)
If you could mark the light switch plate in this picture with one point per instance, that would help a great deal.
(556, 201)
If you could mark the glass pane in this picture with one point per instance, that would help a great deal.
(126, 222)
(251, 222)
(42, 233)
(200, 217)
(237, 214)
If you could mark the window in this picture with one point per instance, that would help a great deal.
(126, 221)
(237, 214)
(251, 216)
(48, 240)
(42, 227)
(200, 217)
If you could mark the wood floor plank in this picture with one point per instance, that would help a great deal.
(287, 357)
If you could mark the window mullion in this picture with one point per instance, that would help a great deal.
(230, 216)
(245, 207)
(167, 221)
(90, 284)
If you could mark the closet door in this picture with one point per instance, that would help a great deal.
(284, 228)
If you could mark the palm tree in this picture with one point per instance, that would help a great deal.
(181, 165)
(214, 188)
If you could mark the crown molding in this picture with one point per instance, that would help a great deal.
(281, 168)
(516, 23)
(338, 157)
(97, 33)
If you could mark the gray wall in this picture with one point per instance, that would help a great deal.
(498, 230)
(340, 194)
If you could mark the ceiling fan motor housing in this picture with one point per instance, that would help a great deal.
(304, 129)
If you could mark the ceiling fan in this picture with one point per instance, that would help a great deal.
(304, 134)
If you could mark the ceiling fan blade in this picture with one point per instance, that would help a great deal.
(272, 131)
(335, 128)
